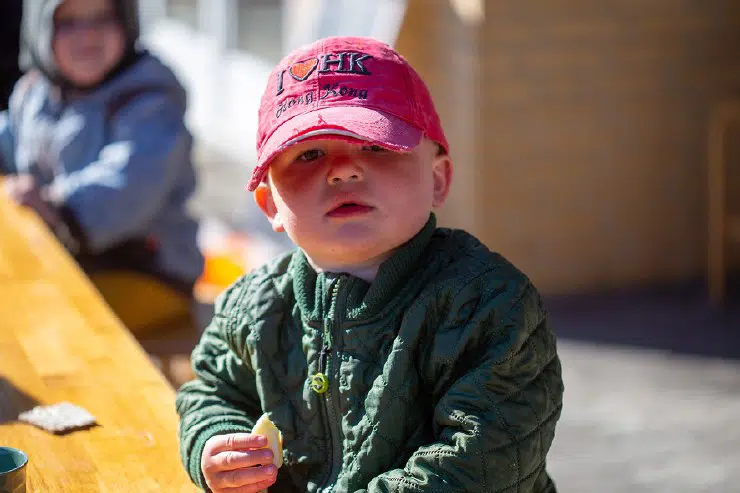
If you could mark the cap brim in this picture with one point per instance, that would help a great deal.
(345, 122)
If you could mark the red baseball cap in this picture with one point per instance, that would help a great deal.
(353, 88)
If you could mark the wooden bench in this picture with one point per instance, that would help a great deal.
(160, 318)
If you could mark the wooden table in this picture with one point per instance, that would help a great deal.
(60, 342)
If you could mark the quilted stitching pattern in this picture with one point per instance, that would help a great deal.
(454, 386)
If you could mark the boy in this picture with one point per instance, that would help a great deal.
(391, 355)
(95, 142)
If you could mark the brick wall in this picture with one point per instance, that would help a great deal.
(579, 129)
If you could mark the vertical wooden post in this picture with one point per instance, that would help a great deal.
(720, 119)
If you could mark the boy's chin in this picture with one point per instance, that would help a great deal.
(349, 256)
(89, 83)
(85, 80)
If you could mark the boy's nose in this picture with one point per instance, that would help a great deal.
(345, 170)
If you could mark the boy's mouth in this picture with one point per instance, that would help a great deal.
(347, 209)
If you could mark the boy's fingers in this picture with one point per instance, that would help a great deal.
(235, 459)
(252, 488)
(235, 441)
(254, 478)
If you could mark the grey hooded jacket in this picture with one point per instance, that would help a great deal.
(118, 155)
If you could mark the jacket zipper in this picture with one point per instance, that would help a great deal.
(326, 368)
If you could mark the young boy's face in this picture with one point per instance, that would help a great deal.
(88, 40)
(346, 204)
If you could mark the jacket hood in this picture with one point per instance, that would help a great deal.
(37, 30)
(147, 75)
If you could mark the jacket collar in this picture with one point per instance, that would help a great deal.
(314, 291)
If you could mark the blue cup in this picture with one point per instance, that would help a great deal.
(12, 470)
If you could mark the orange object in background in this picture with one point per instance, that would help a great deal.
(223, 266)
(226, 259)
(229, 254)
(221, 269)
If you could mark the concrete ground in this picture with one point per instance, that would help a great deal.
(639, 421)
(652, 400)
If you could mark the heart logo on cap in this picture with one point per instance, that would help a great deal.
(301, 70)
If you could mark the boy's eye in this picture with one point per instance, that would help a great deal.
(310, 155)
(374, 148)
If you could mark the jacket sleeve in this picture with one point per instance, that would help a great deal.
(18, 104)
(223, 398)
(116, 196)
(497, 391)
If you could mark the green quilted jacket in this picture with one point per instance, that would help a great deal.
(442, 375)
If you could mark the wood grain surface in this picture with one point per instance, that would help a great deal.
(60, 342)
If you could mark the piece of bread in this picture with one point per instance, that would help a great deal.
(267, 428)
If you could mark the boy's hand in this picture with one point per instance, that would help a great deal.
(25, 191)
(238, 463)
(22, 189)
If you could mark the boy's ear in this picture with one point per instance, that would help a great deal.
(263, 197)
(442, 175)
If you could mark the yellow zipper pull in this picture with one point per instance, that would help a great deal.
(319, 383)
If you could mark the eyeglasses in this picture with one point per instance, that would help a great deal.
(98, 23)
